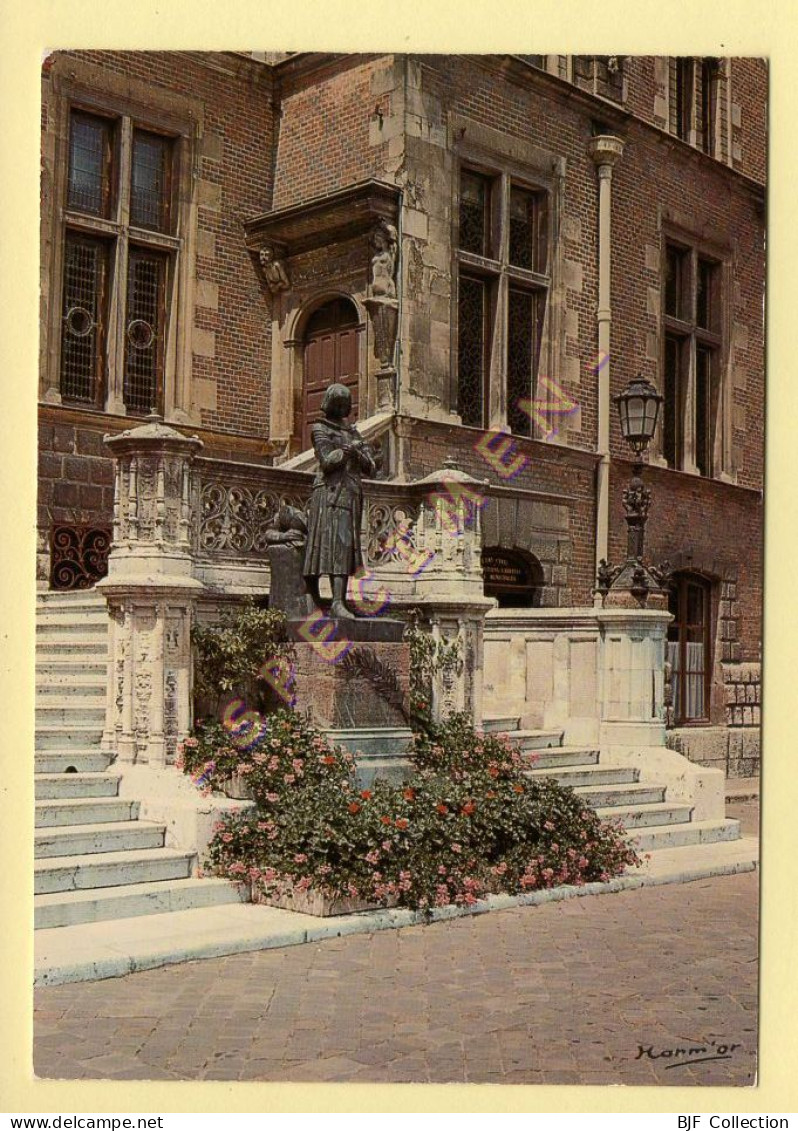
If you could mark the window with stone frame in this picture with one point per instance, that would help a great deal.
(120, 249)
(502, 290)
(600, 74)
(692, 360)
(693, 99)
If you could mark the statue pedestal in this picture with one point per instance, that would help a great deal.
(356, 691)
(363, 685)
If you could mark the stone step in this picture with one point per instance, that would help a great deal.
(84, 840)
(643, 816)
(690, 833)
(92, 951)
(78, 650)
(110, 869)
(60, 738)
(536, 739)
(587, 775)
(60, 671)
(562, 756)
(78, 711)
(83, 626)
(372, 741)
(84, 811)
(66, 909)
(607, 796)
(52, 787)
(54, 598)
(63, 688)
(500, 724)
(70, 761)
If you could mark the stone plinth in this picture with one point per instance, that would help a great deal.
(364, 686)
(151, 591)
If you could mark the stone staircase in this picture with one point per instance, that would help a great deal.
(94, 858)
(651, 821)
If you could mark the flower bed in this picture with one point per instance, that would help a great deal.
(469, 824)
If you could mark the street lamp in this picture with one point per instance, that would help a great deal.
(638, 410)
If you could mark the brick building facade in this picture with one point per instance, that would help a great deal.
(173, 183)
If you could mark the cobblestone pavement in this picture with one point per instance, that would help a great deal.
(564, 993)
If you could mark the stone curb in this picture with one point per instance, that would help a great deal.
(115, 965)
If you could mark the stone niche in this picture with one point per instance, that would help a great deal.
(341, 246)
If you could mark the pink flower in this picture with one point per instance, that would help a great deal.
(289, 779)
(227, 837)
(457, 848)
(300, 858)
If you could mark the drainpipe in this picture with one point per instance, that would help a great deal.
(605, 150)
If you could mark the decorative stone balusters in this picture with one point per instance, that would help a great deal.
(150, 590)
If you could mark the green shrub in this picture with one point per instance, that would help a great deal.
(229, 658)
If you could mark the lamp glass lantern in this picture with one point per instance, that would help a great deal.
(638, 409)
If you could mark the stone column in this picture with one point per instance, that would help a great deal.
(605, 151)
(632, 676)
(449, 589)
(150, 592)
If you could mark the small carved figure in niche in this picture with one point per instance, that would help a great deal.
(273, 270)
(385, 241)
(336, 502)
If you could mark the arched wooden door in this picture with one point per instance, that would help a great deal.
(330, 354)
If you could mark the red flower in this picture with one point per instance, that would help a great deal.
(518, 788)
(493, 770)
(354, 807)
(365, 794)
(442, 809)
(490, 794)
(409, 794)
(402, 823)
(468, 808)
(328, 760)
(386, 820)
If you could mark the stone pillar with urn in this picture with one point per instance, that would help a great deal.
(151, 591)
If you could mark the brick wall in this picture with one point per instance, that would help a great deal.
(332, 129)
(231, 101)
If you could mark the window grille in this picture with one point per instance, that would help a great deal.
(144, 330)
(471, 352)
(108, 268)
(83, 319)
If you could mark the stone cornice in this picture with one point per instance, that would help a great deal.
(325, 219)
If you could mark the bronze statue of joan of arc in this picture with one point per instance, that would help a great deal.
(336, 503)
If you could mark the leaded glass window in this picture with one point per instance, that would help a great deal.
(150, 181)
(120, 180)
(83, 319)
(523, 344)
(474, 213)
(471, 351)
(691, 359)
(144, 329)
(90, 150)
(528, 228)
